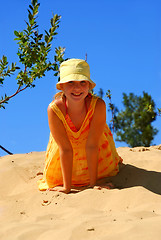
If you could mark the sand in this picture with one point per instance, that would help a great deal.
(132, 210)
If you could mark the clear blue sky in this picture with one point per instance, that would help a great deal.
(122, 40)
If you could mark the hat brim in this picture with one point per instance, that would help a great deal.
(75, 77)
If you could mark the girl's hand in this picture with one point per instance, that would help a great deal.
(60, 189)
(106, 186)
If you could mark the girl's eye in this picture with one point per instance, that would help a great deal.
(71, 82)
(83, 82)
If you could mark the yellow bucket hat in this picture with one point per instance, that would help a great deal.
(74, 70)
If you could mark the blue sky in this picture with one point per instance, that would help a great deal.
(121, 39)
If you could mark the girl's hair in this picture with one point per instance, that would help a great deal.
(59, 95)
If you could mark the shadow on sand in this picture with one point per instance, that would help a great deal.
(131, 176)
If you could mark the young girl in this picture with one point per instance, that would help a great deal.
(81, 147)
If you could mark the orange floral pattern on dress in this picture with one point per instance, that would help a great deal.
(105, 144)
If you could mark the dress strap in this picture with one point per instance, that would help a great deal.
(86, 105)
(66, 106)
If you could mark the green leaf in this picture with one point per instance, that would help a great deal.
(46, 38)
(35, 10)
(40, 36)
(31, 20)
(47, 33)
(30, 16)
(34, 2)
(31, 7)
(16, 33)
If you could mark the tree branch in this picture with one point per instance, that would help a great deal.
(18, 91)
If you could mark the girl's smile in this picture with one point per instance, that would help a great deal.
(76, 94)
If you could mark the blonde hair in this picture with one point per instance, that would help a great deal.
(59, 95)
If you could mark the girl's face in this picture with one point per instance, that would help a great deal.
(76, 90)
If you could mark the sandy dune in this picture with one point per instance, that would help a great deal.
(130, 211)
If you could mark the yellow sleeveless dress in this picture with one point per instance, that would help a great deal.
(108, 158)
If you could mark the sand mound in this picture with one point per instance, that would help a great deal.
(130, 211)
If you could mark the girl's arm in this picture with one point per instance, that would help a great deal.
(65, 148)
(96, 129)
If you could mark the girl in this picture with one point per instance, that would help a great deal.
(81, 147)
